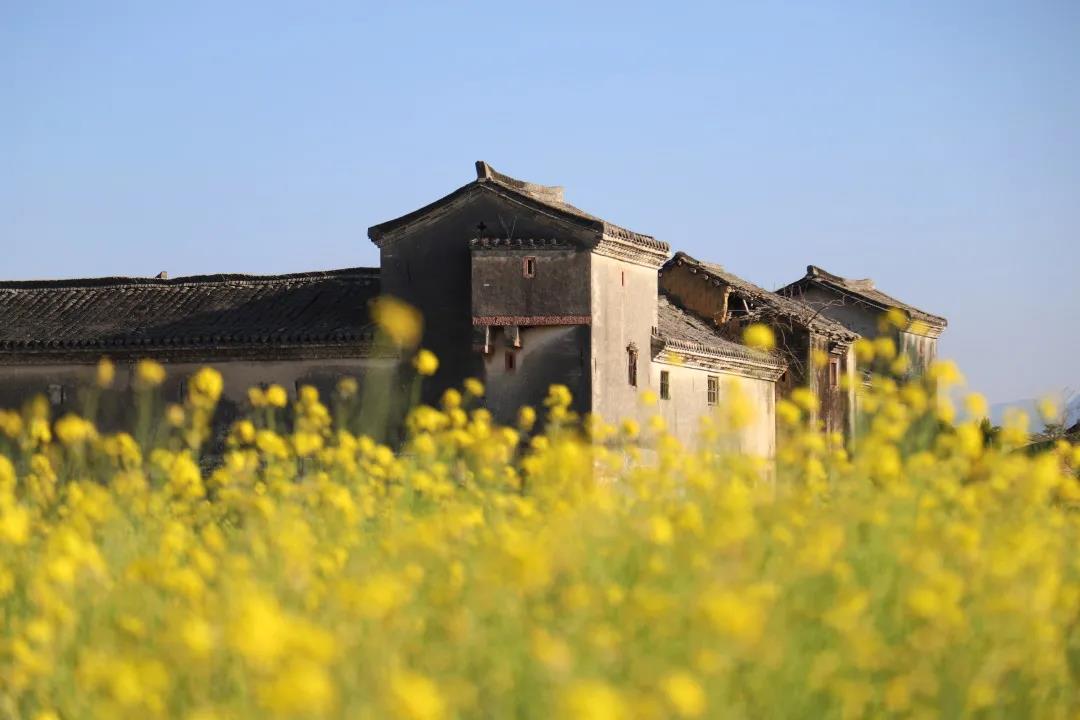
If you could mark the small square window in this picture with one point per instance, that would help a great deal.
(713, 395)
(511, 361)
(528, 267)
(665, 385)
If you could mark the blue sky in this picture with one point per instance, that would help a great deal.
(933, 146)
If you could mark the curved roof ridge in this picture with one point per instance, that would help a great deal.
(861, 283)
(545, 193)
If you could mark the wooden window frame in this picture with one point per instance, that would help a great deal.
(665, 385)
(712, 389)
(834, 373)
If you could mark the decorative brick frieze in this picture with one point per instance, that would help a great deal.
(532, 320)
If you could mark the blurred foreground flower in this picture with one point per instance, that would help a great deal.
(401, 322)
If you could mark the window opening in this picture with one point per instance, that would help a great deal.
(56, 395)
(665, 385)
(713, 395)
(528, 268)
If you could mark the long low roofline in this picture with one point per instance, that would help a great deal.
(211, 314)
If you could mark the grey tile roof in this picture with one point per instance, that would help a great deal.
(769, 303)
(676, 323)
(865, 290)
(138, 314)
(550, 197)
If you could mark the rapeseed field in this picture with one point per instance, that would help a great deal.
(561, 568)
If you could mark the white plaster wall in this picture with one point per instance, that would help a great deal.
(621, 314)
(688, 404)
(922, 350)
(854, 380)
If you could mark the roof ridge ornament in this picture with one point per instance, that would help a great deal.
(546, 193)
(860, 284)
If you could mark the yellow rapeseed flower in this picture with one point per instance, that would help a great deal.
(759, 336)
(348, 387)
(106, 373)
(864, 351)
(149, 374)
(205, 387)
(401, 322)
(685, 694)
(976, 405)
(526, 418)
(426, 363)
(415, 697)
(276, 396)
(592, 700)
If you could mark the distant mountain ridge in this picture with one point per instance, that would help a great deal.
(1068, 400)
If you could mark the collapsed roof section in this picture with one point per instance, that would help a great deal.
(764, 305)
(683, 338)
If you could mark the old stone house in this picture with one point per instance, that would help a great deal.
(518, 288)
(859, 305)
(304, 328)
(732, 303)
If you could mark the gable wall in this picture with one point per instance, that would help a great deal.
(428, 264)
(693, 291)
(624, 311)
(846, 310)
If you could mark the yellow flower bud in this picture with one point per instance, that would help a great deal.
(106, 373)
(149, 374)
(401, 322)
(759, 336)
(426, 363)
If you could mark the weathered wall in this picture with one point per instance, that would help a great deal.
(693, 291)
(688, 404)
(560, 286)
(920, 349)
(851, 394)
(623, 311)
(852, 314)
(547, 356)
(428, 265)
(833, 401)
(18, 383)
